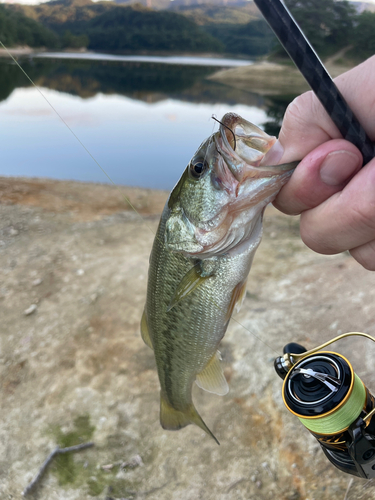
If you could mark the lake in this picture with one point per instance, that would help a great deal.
(140, 117)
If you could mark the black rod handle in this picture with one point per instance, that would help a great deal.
(307, 61)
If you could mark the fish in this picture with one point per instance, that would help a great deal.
(209, 231)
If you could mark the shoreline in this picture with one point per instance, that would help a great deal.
(262, 77)
(269, 78)
(18, 51)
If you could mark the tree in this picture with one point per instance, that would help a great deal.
(17, 29)
(128, 29)
(364, 35)
(328, 24)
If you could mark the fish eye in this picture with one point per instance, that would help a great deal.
(197, 169)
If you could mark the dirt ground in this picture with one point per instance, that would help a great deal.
(73, 368)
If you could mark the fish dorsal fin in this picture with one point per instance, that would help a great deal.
(189, 282)
(236, 301)
(212, 378)
(145, 331)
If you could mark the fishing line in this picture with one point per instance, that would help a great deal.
(251, 333)
(114, 184)
(74, 134)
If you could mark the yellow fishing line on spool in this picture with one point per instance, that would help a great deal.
(343, 414)
(339, 419)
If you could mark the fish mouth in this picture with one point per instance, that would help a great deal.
(243, 146)
(239, 188)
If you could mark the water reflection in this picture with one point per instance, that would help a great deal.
(276, 107)
(141, 121)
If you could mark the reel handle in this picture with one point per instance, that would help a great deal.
(280, 364)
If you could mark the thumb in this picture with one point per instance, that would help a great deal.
(306, 124)
(322, 173)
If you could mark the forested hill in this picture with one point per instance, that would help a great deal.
(239, 30)
(108, 27)
(124, 28)
(18, 29)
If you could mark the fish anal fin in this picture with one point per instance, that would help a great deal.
(212, 378)
(237, 298)
(145, 333)
(188, 284)
(173, 420)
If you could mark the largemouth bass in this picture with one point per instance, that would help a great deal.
(208, 233)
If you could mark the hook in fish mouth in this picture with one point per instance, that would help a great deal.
(243, 147)
(226, 126)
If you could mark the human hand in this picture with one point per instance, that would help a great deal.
(335, 198)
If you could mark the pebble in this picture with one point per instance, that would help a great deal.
(30, 310)
(80, 272)
(37, 282)
(13, 232)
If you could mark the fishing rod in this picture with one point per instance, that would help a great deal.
(320, 387)
(307, 61)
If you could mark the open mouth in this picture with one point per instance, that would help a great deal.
(248, 141)
(242, 145)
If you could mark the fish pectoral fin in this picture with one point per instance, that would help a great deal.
(236, 301)
(212, 378)
(189, 282)
(145, 331)
(172, 419)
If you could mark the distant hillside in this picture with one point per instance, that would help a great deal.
(217, 14)
(225, 26)
(127, 29)
(107, 26)
(61, 15)
(254, 38)
(17, 29)
(173, 4)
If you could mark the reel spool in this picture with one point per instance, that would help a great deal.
(331, 401)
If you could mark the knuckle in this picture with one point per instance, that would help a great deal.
(297, 111)
(305, 124)
(365, 255)
(364, 217)
(312, 238)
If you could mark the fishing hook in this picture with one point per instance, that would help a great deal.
(226, 126)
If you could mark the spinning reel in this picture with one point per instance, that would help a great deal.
(331, 401)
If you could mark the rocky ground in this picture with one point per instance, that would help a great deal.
(271, 78)
(73, 368)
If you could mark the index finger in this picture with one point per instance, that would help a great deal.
(306, 124)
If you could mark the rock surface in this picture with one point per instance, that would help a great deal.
(77, 370)
(268, 78)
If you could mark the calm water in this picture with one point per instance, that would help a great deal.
(141, 120)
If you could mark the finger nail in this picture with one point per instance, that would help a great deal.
(273, 156)
(338, 166)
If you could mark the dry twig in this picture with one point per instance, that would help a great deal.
(56, 451)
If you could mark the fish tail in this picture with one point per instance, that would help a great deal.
(172, 419)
